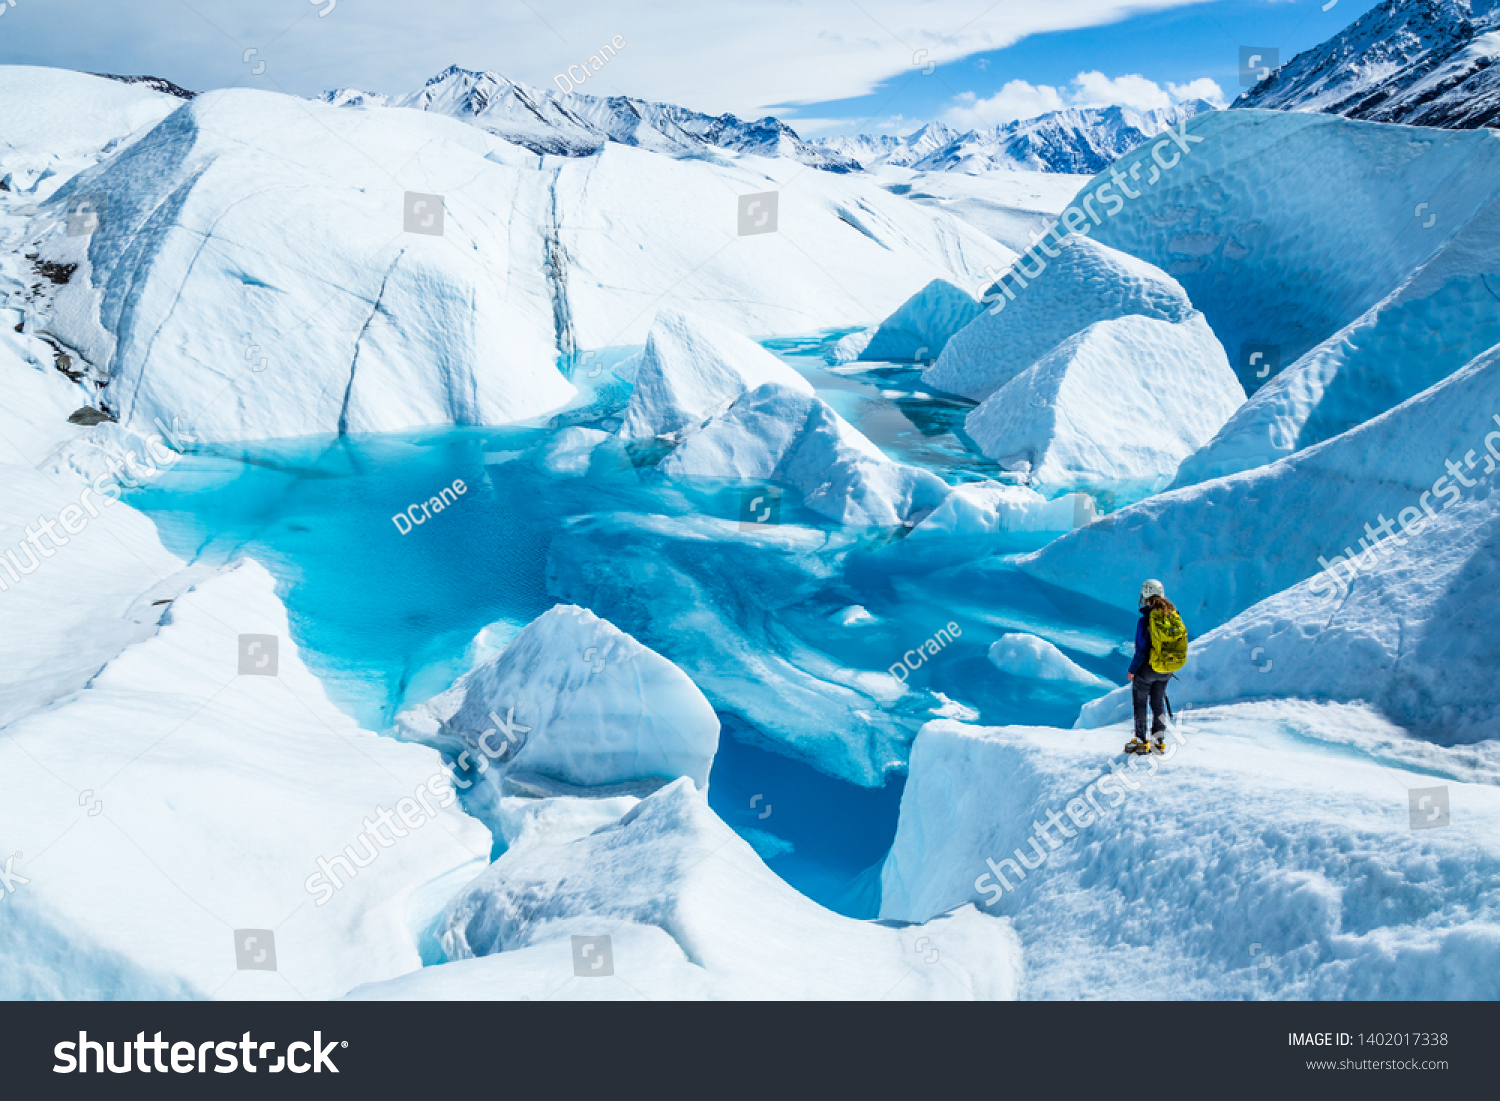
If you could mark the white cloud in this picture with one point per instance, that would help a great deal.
(711, 57)
(1016, 100)
(1097, 90)
(1202, 88)
(1020, 100)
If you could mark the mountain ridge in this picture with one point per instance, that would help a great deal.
(1418, 62)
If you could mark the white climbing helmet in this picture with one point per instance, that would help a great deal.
(1151, 588)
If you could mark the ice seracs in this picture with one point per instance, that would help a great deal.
(1436, 319)
(691, 369)
(1402, 626)
(1119, 405)
(791, 438)
(1288, 229)
(923, 325)
(1024, 655)
(1069, 283)
(132, 798)
(1223, 545)
(668, 902)
(575, 700)
(1259, 836)
(206, 293)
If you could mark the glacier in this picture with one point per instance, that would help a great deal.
(1277, 826)
(1115, 407)
(1366, 290)
(1082, 282)
(761, 647)
(691, 369)
(186, 304)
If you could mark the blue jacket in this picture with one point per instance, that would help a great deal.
(1142, 644)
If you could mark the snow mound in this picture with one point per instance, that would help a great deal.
(924, 324)
(1023, 655)
(1269, 854)
(676, 905)
(1286, 228)
(1063, 290)
(1433, 323)
(1120, 404)
(755, 658)
(138, 890)
(262, 315)
(849, 346)
(1410, 633)
(691, 369)
(1226, 544)
(574, 699)
(57, 122)
(350, 309)
(792, 438)
(569, 453)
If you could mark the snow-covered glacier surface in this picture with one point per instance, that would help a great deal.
(1259, 858)
(1344, 266)
(536, 633)
(275, 283)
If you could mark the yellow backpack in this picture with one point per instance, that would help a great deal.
(1169, 641)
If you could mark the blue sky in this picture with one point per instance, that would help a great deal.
(827, 66)
(1174, 47)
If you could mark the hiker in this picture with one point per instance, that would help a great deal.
(1160, 650)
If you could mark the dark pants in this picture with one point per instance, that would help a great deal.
(1149, 684)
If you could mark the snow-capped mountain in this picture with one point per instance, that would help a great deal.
(1420, 62)
(872, 149)
(575, 124)
(1078, 140)
(155, 83)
